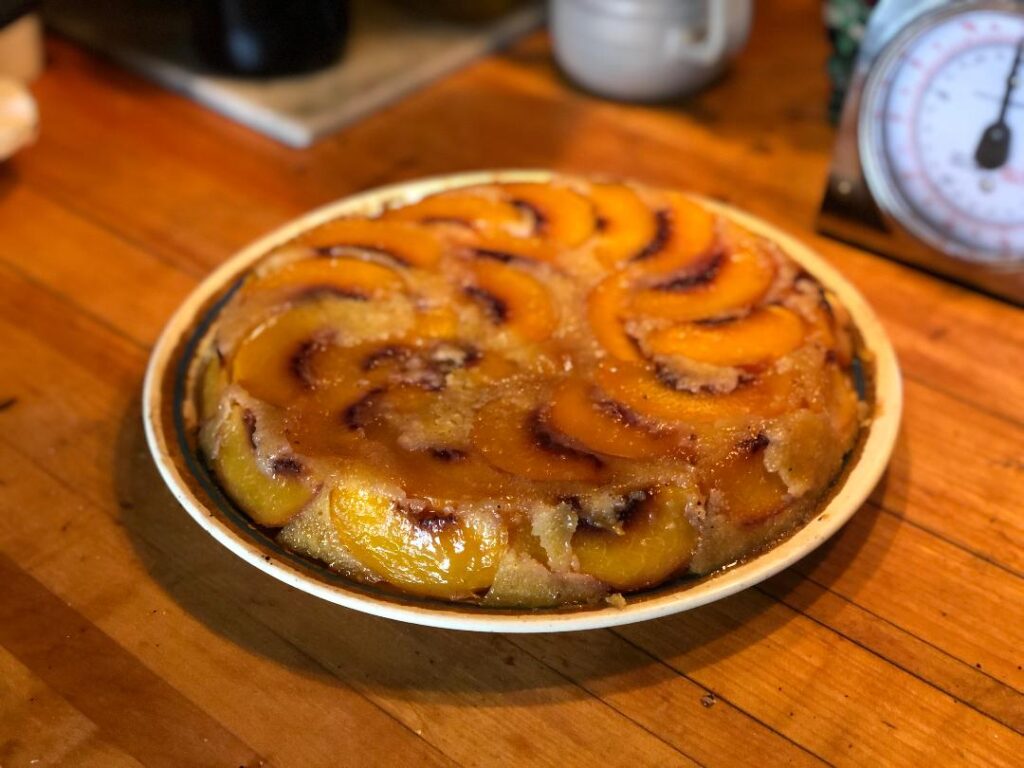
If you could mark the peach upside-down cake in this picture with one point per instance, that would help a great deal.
(529, 394)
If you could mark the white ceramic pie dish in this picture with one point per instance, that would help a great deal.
(175, 454)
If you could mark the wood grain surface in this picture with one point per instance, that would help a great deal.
(128, 637)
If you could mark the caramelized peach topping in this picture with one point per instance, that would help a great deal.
(512, 298)
(656, 541)
(403, 242)
(625, 225)
(559, 390)
(419, 550)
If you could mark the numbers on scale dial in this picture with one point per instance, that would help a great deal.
(950, 135)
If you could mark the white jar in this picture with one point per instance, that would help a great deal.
(646, 50)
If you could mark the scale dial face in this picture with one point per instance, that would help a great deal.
(941, 132)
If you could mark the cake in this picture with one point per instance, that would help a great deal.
(528, 394)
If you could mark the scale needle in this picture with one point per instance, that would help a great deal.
(994, 148)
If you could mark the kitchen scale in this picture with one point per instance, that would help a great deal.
(929, 160)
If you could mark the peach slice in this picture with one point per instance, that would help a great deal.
(269, 363)
(303, 350)
(340, 372)
(763, 335)
(336, 377)
(426, 553)
(351, 278)
(403, 241)
(513, 299)
(625, 225)
(726, 283)
(639, 388)
(748, 492)
(269, 500)
(604, 426)
(657, 542)
(559, 213)
(273, 362)
(500, 246)
(513, 439)
(467, 208)
(685, 232)
(606, 306)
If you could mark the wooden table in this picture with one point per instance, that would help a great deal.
(129, 637)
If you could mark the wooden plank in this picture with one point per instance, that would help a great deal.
(661, 699)
(40, 728)
(180, 203)
(957, 471)
(141, 713)
(958, 678)
(951, 599)
(68, 393)
(116, 283)
(820, 689)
